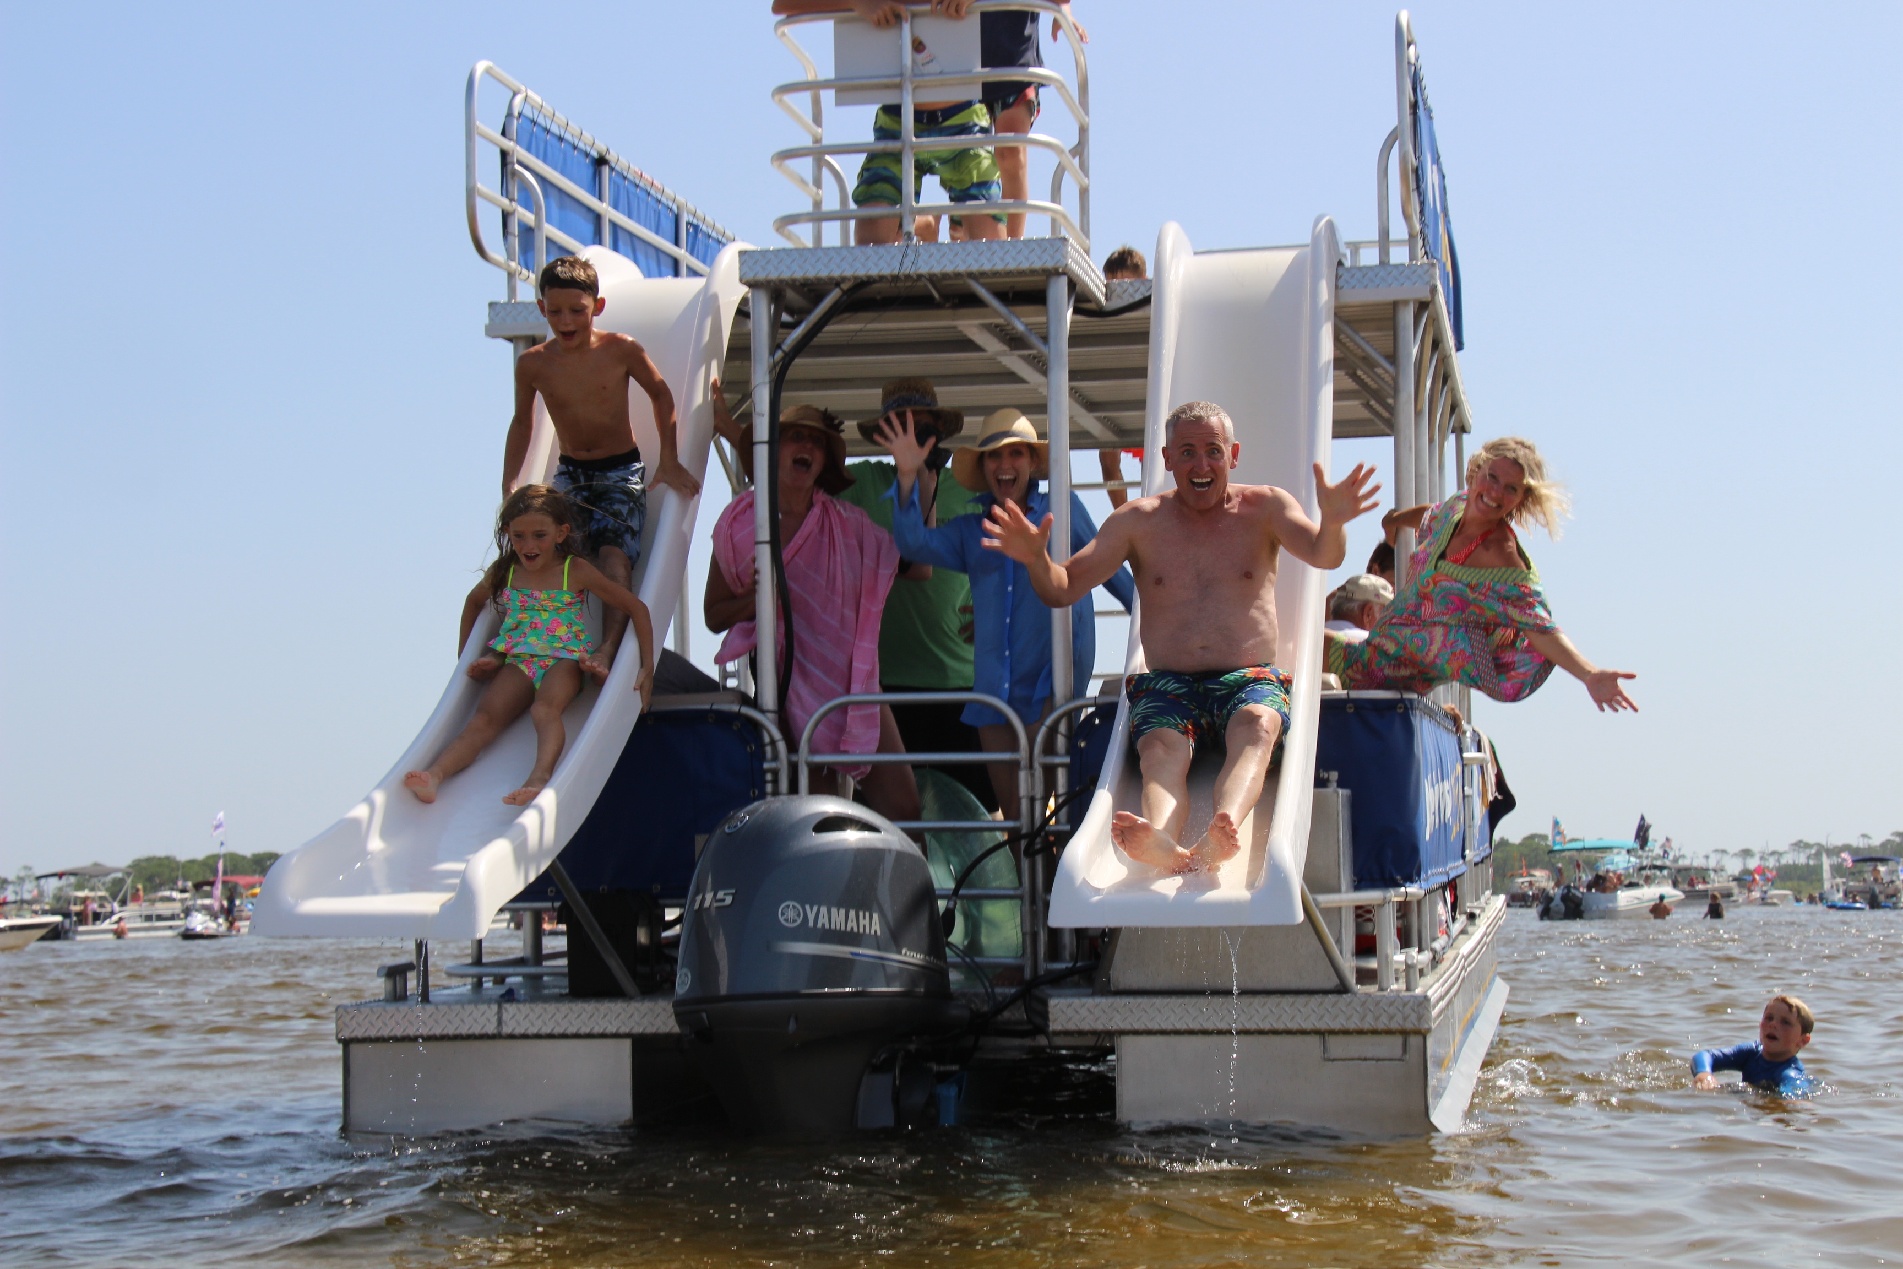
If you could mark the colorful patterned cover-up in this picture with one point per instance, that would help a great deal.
(1453, 623)
(839, 569)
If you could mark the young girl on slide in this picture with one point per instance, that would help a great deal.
(539, 585)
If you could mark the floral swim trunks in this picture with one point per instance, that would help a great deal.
(1201, 705)
(610, 497)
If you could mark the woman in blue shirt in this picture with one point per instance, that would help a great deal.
(1011, 625)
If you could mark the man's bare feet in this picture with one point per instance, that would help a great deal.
(1220, 844)
(423, 784)
(1147, 844)
(485, 667)
(527, 793)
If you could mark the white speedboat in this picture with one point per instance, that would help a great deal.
(17, 932)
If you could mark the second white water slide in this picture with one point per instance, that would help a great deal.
(394, 867)
(1252, 331)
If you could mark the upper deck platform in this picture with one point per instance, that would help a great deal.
(972, 316)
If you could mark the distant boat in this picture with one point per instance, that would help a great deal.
(1626, 882)
(17, 932)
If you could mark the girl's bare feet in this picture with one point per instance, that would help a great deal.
(1220, 844)
(423, 784)
(527, 793)
(485, 667)
(595, 665)
(1147, 844)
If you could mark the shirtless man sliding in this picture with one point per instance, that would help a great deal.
(1205, 556)
(582, 375)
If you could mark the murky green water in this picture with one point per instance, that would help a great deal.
(171, 1103)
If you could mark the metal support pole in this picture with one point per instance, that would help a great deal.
(1424, 450)
(604, 227)
(422, 970)
(1344, 973)
(592, 928)
(1057, 414)
(1384, 946)
(532, 937)
(766, 659)
(908, 162)
(1404, 420)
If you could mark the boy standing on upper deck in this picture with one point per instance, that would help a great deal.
(582, 375)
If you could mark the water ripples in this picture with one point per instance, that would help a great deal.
(171, 1101)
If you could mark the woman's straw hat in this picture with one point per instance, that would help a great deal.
(921, 398)
(833, 477)
(1004, 427)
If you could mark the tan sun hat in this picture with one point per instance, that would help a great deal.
(833, 477)
(1004, 427)
(921, 398)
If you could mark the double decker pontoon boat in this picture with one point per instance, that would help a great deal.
(798, 958)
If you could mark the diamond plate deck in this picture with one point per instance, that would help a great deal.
(1386, 283)
(494, 1018)
(1245, 1014)
(652, 1015)
(1020, 258)
(515, 319)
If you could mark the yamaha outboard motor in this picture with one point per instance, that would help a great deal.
(811, 954)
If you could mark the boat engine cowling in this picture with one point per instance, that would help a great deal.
(811, 952)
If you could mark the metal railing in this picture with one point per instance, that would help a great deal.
(526, 168)
(822, 156)
(1028, 891)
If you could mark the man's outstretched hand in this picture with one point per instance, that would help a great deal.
(1008, 529)
(1353, 495)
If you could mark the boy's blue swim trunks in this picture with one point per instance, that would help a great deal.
(969, 176)
(610, 497)
(1201, 705)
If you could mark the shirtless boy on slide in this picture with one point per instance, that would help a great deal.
(1205, 556)
(582, 375)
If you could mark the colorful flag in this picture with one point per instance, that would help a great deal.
(1559, 834)
(218, 824)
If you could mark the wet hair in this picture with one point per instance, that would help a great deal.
(527, 501)
(1125, 262)
(571, 272)
(1199, 412)
(1545, 501)
(1805, 1020)
(1381, 559)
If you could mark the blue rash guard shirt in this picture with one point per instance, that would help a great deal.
(1011, 626)
(1786, 1077)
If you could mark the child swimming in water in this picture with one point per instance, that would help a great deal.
(1771, 1063)
(539, 585)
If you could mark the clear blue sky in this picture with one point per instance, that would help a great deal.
(252, 428)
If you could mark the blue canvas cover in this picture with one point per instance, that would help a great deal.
(679, 775)
(1400, 757)
(640, 201)
(1430, 181)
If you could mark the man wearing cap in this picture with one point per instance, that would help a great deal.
(1012, 627)
(839, 569)
(925, 642)
(1205, 556)
(1356, 604)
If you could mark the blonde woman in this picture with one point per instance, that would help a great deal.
(1472, 610)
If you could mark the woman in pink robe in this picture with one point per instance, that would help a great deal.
(839, 569)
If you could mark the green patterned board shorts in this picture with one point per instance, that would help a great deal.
(968, 176)
(1201, 705)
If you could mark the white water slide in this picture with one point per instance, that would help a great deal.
(395, 868)
(1253, 331)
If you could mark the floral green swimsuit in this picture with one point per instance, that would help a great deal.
(541, 627)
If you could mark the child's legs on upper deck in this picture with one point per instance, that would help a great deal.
(968, 176)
